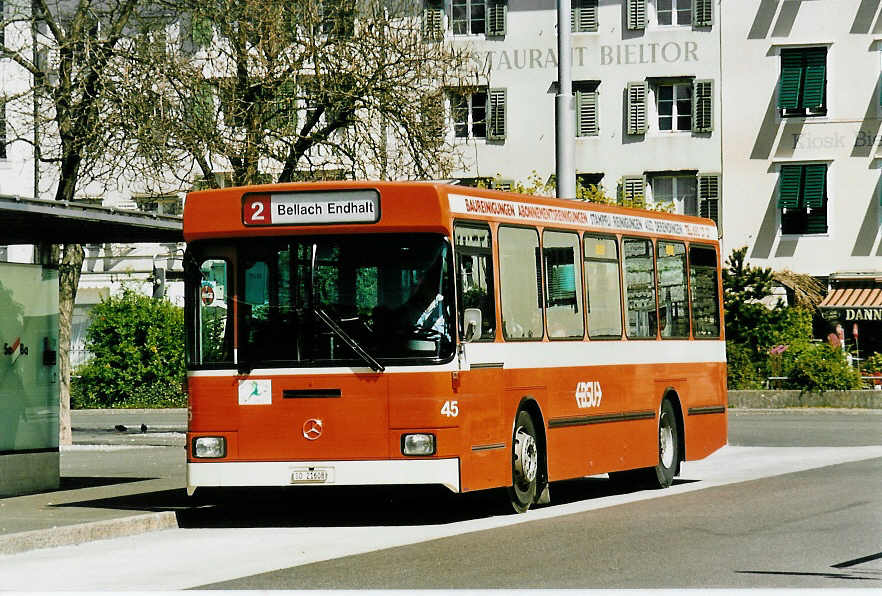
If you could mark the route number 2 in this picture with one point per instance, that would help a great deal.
(256, 212)
(450, 408)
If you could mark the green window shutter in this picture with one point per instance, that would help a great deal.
(702, 106)
(709, 197)
(791, 79)
(637, 107)
(702, 13)
(496, 98)
(583, 16)
(586, 113)
(789, 183)
(816, 222)
(283, 109)
(815, 185)
(815, 77)
(636, 17)
(433, 19)
(497, 13)
(633, 189)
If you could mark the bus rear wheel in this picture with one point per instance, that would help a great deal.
(662, 474)
(524, 463)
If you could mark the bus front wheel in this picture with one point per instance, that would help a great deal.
(524, 463)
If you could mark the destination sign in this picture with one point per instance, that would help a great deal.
(313, 207)
(525, 212)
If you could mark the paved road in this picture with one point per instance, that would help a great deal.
(755, 514)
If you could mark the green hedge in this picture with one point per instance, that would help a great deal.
(138, 355)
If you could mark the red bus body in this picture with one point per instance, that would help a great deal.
(364, 413)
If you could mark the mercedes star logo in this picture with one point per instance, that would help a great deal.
(312, 429)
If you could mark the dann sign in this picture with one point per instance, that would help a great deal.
(863, 314)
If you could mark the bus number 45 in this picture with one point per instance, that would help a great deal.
(450, 408)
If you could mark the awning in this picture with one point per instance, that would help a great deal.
(856, 303)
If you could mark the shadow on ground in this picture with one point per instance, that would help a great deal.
(340, 506)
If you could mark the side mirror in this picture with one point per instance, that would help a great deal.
(472, 324)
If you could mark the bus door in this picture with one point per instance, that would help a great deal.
(479, 378)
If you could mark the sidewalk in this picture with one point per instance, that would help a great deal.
(115, 481)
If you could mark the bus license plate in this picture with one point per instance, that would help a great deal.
(312, 475)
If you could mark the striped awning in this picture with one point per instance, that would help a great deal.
(866, 297)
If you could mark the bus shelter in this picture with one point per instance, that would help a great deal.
(29, 384)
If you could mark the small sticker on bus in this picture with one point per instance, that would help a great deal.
(255, 392)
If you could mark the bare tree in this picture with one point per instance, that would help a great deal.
(278, 91)
(67, 55)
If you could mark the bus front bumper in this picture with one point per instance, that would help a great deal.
(324, 473)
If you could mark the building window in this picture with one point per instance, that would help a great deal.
(473, 17)
(587, 180)
(802, 90)
(433, 20)
(677, 190)
(802, 198)
(469, 112)
(583, 16)
(168, 204)
(478, 114)
(674, 106)
(709, 197)
(674, 12)
(632, 191)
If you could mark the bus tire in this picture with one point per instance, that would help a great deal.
(525, 459)
(662, 474)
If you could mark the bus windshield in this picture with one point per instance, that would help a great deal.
(350, 300)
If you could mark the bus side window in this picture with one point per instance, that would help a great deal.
(704, 294)
(640, 302)
(474, 275)
(520, 281)
(563, 282)
(603, 287)
(673, 311)
(215, 335)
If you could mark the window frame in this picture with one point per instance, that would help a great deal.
(539, 289)
(652, 314)
(457, 251)
(675, 114)
(467, 94)
(675, 12)
(800, 220)
(617, 260)
(676, 178)
(717, 292)
(578, 269)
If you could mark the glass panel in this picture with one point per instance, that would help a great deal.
(28, 367)
(215, 341)
(563, 283)
(459, 109)
(520, 282)
(478, 25)
(640, 303)
(673, 314)
(479, 115)
(460, 17)
(662, 189)
(703, 289)
(392, 295)
(474, 268)
(602, 287)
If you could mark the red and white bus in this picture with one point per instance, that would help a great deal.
(361, 333)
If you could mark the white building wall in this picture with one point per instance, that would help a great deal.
(757, 140)
(525, 63)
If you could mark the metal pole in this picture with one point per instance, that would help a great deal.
(565, 129)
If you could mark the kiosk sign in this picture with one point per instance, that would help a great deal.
(312, 207)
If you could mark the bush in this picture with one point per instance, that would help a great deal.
(741, 370)
(138, 355)
(873, 364)
(821, 367)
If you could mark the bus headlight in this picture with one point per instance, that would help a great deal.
(418, 444)
(209, 447)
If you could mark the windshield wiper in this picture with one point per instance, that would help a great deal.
(348, 340)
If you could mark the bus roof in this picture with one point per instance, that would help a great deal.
(415, 207)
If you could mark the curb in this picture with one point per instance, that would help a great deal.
(79, 533)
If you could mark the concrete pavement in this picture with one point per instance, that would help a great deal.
(115, 480)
